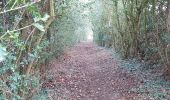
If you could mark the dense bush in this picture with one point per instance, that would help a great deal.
(137, 28)
(32, 32)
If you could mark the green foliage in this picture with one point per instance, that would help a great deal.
(44, 18)
(137, 28)
(19, 49)
(69, 29)
(39, 26)
(3, 53)
(154, 89)
(165, 38)
(33, 10)
(26, 43)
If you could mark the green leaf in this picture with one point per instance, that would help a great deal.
(36, 19)
(45, 18)
(39, 26)
(3, 53)
(14, 35)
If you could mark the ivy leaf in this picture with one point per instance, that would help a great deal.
(36, 19)
(14, 35)
(45, 18)
(39, 26)
(3, 53)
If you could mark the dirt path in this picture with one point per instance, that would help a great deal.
(87, 72)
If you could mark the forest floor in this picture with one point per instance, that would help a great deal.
(89, 72)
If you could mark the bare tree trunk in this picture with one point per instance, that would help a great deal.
(5, 17)
(168, 16)
(166, 49)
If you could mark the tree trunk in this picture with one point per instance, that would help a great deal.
(168, 16)
(168, 46)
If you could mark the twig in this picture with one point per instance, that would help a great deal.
(14, 4)
(7, 3)
(20, 54)
(17, 23)
(15, 31)
(17, 8)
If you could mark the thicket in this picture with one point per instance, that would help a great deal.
(32, 32)
(135, 28)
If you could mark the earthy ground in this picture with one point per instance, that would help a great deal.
(87, 72)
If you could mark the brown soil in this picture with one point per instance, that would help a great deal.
(87, 72)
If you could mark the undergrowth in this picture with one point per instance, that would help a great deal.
(153, 85)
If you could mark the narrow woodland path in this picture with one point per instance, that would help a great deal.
(87, 72)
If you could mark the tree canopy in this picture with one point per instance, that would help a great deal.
(32, 32)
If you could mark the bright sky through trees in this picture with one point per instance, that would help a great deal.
(87, 23)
